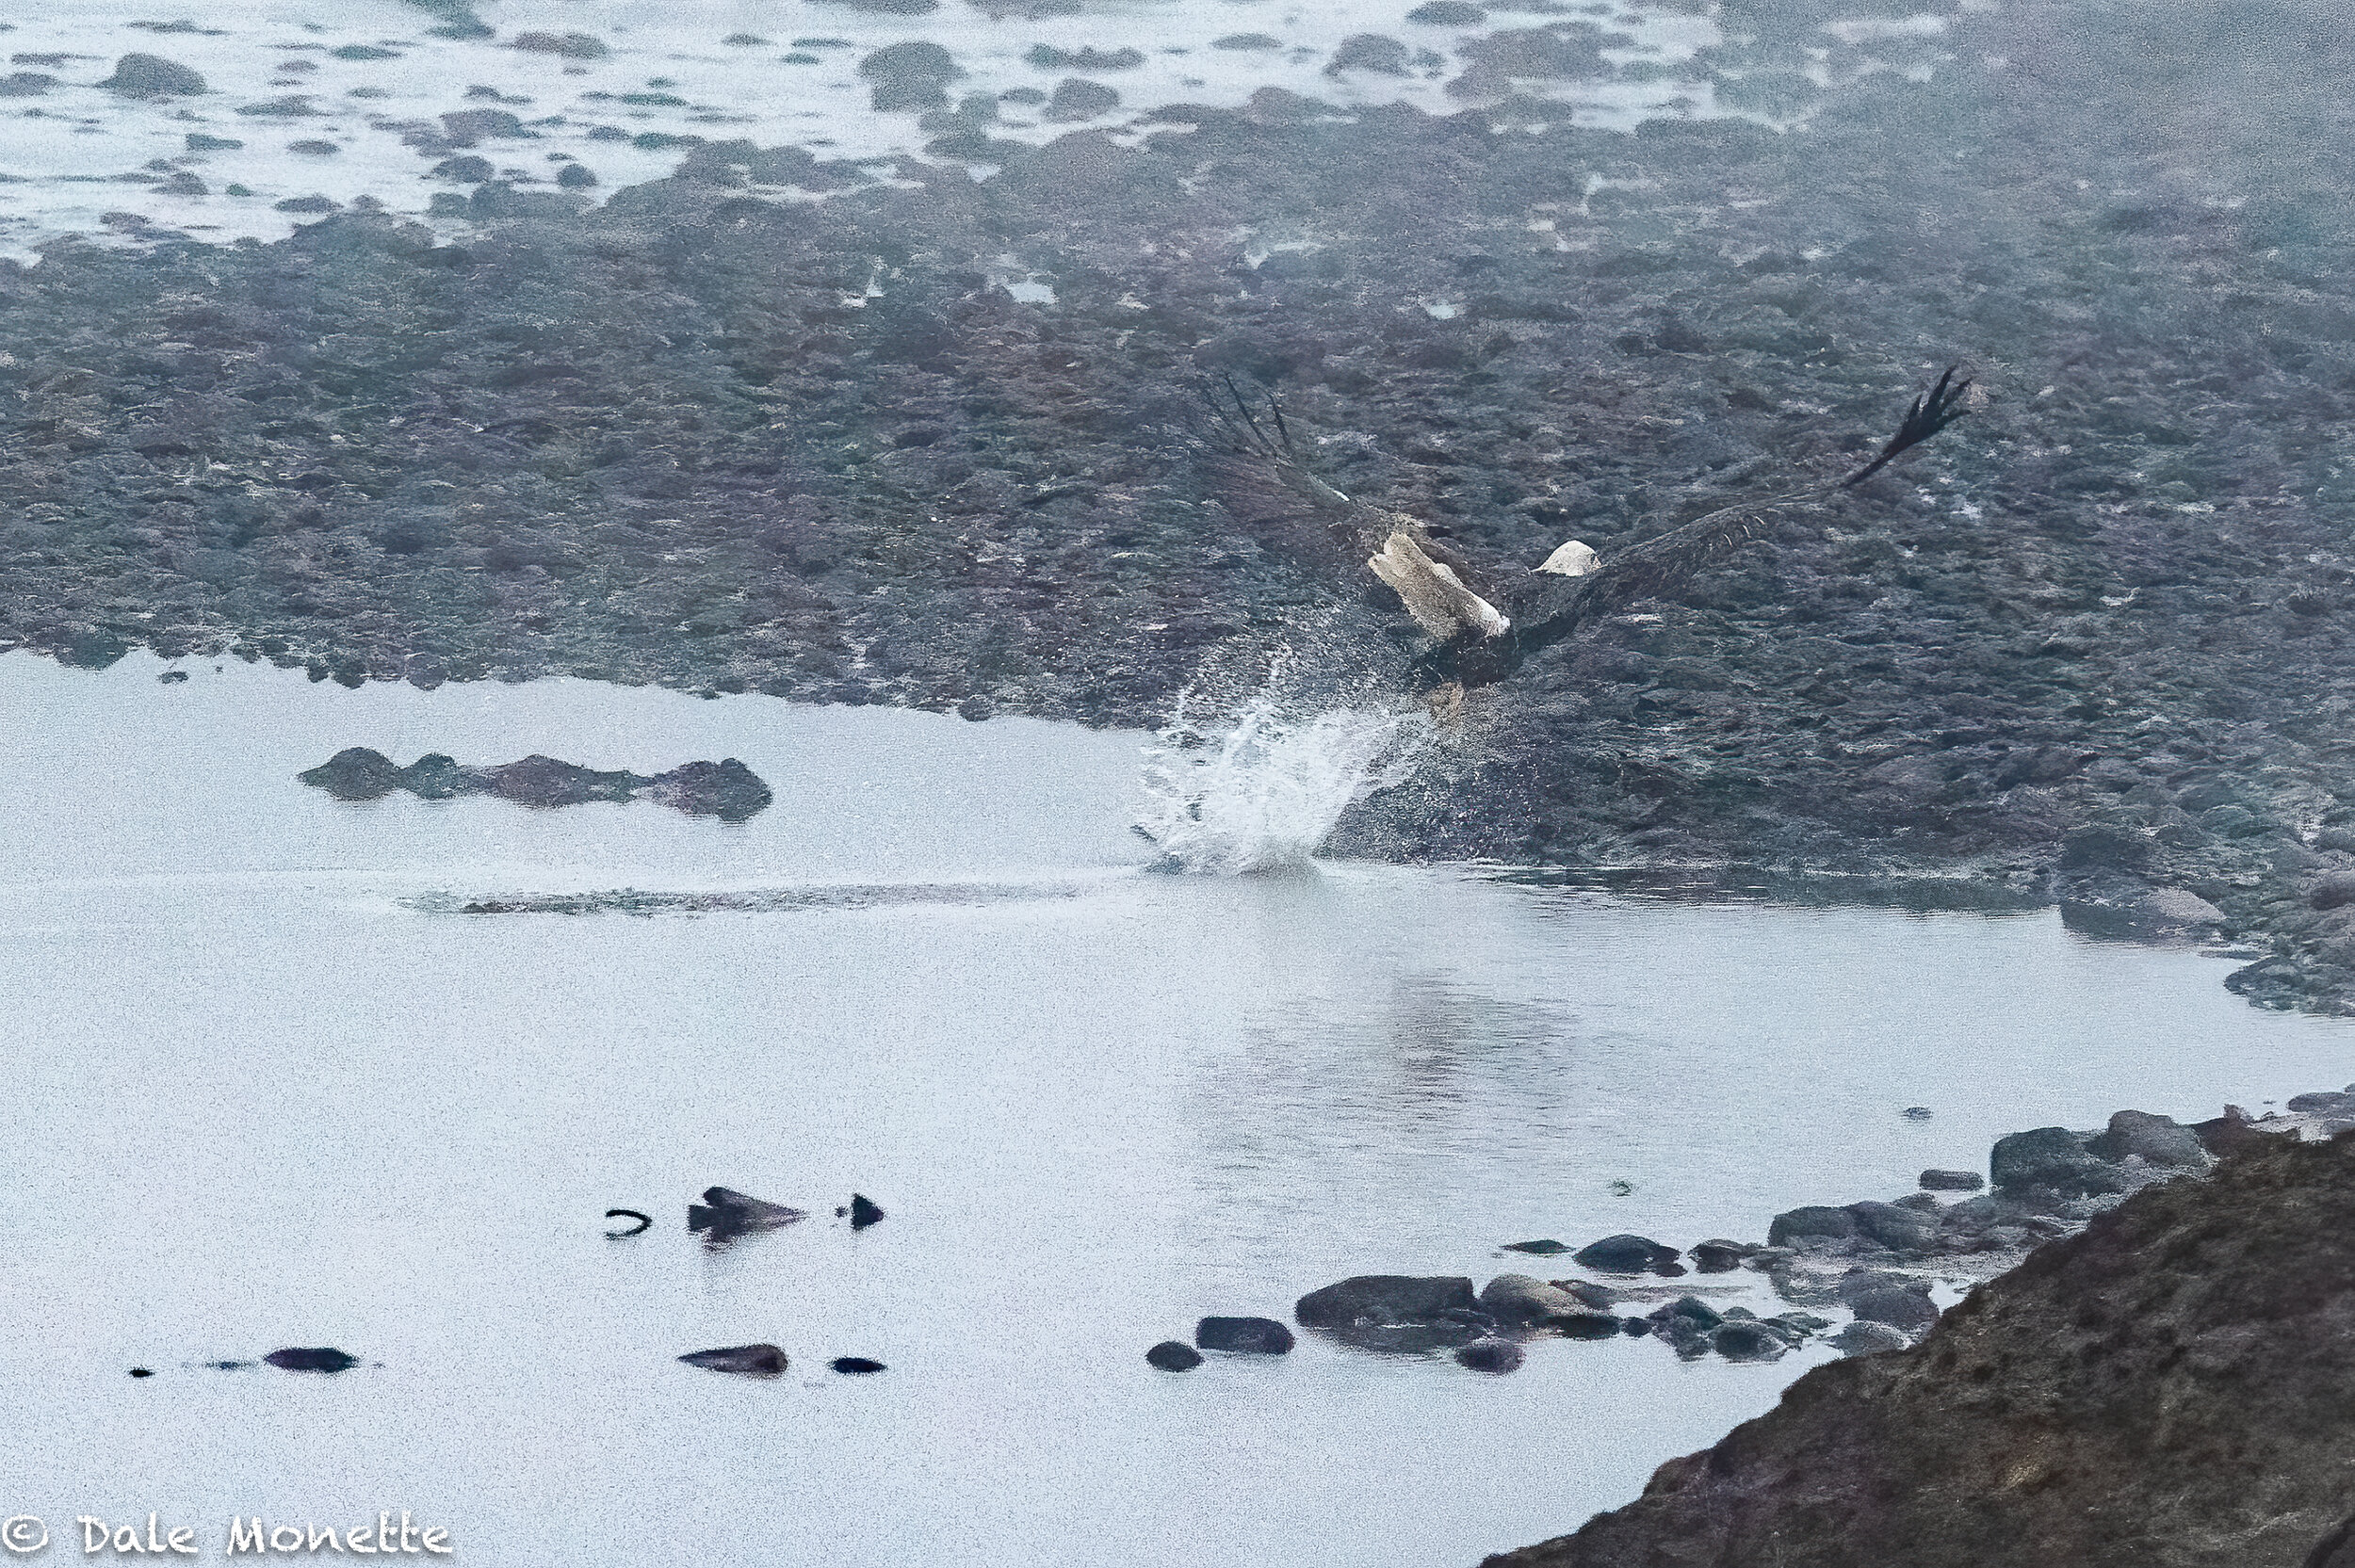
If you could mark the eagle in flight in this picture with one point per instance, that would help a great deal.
(1483, 623)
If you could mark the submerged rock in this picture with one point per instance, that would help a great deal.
(152, 76)
(1370, 1299)
(1263, 1336)
(724, 1213)
(1627, 1254)
(1491, 1354)
(743, 1361)
(725, 789)
(317, 1358)
(1172, 1357)
(1547, 1248)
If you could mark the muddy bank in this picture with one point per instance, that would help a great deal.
(2171, 1387)
(716, 438)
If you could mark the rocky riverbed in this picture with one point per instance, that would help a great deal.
(2169, 1388)
(2091, 647)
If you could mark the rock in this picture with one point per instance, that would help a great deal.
(1739, 1341)
(1718, 1255)
(1587, 1292)
(1077, 98)
(152, 76)
(464, 127)
(1369, 51)
(910, 75)
(2051, 1159)
(2323, 1104)
(314, 149)
(465, 170)
(1951, 1181)
(725, 1214)
(319, 1358)
(571, 46)
(1626, 1254)
(1247, 41)
(2332, 890)
(26, 83)
(1584, 1323)
(889, 8)
(1262, 1336)
(1518, 1299)
(1385, 1298)
(1491, 1354)
(1171, 1356)
(1688, 1309)
(744, 1361)
(863, 1212)
(1900, 1230)
(1903, 1307)
(857, 1365)
(2159, 1140)
(354, 773)
(1813, 1222)
(1448, 13)
(1539, 54)
(1047, 57)
(575, 177)
(1864, 1338)
(976, 709)
(725, 789)
(305, 204)
(1918, 1113)
(197, 141)
(2231, 1133)
(1539, 1249)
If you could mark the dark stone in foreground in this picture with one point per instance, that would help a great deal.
(1172, 1357)
(1385, 1298)
(1491, 1354)
(744, 1361)
(321, 1358)
(1243, 1336)
(152, 76)
(725, 789)
(2172, 1388)
(1626, 1254)
(724, 1214)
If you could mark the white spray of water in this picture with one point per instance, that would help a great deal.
(1259, 792)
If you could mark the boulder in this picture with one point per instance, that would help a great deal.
(1813, 1222)
(2051, 1159)
(913, 75)
(1626, 1254)
(744, 1361)
(1380, 1299)
(315, 1358)
(1718, 1255)
(1748, 1341)
(1491, 1354)
(1903, 1307)
(1688, 1309)
(1077, 98)
(1370, 52)
(1951, 1181)
(1548, 1247)
(1900, 1230)
(724, 1214)
(725, 789)
(1517, 1298)
(2155, 1140)
(1261, 1336)
(354, 773)
(1863, 1338)
(1585, 1323)
(1171, 1356)
(152, 76)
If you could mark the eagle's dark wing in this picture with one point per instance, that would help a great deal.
(1545, 610)
(1246, 454)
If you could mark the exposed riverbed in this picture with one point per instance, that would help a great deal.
(260, 1097)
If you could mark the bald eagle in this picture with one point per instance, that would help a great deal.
(1483, 623)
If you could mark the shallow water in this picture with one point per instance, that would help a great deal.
(257, 1097)
(76, 152)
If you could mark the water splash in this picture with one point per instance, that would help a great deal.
(1259, 792)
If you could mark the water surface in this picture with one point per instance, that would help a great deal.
(257, 1097)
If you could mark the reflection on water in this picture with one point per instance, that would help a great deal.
(258, 1098)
